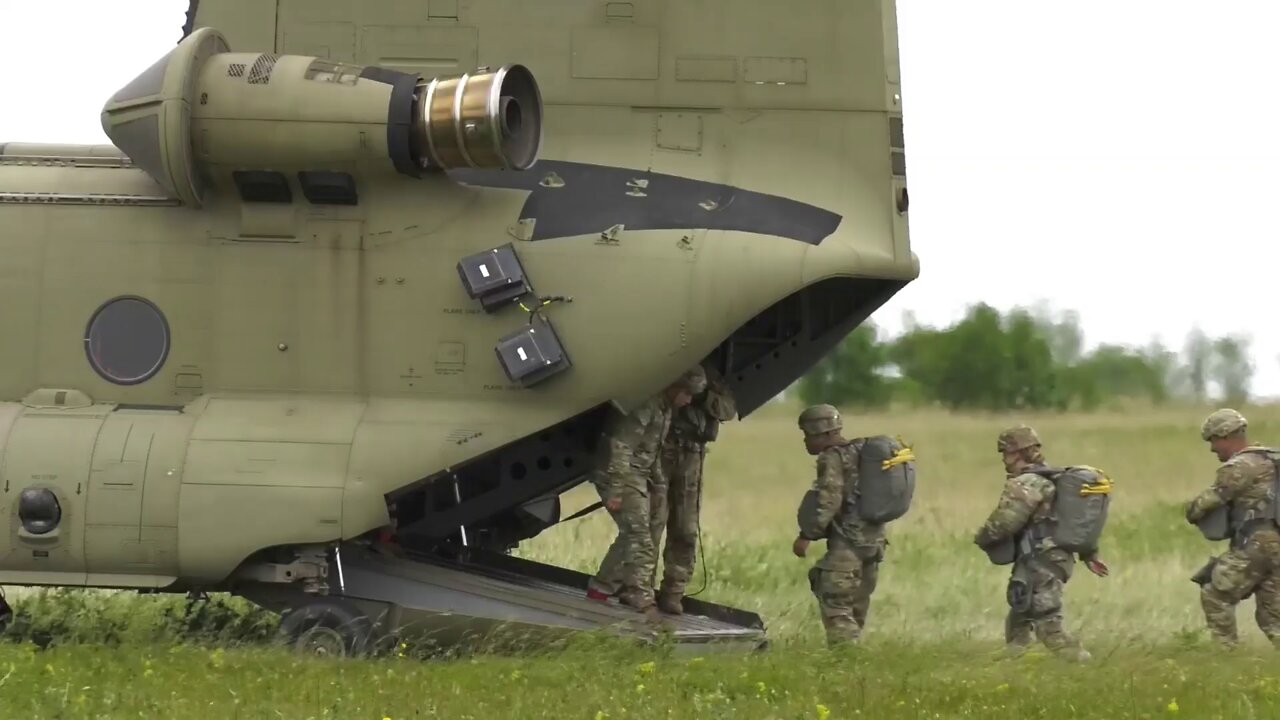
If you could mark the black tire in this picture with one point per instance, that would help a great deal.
(326, 627)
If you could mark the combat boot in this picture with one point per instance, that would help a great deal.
(635, 599)
(642, 604)
(671, 603)
(653, 617)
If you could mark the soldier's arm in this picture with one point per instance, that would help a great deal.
(1227, 484)
(829, 486)
(1013, 509)
(719, 401)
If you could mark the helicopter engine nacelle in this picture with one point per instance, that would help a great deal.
(204, 115)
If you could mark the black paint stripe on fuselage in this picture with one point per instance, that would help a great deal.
(568, 199)
(189, 25)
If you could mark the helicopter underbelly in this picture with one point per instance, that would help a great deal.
(111, 495)
(104, 495)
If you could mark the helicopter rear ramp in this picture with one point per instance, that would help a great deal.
(517, 601)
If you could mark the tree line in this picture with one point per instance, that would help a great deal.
(1022, 359)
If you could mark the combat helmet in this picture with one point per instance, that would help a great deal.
(1018, 437)
(1222, 423)
(819, 419)
(694, 380)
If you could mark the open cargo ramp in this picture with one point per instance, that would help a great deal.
(514, 601)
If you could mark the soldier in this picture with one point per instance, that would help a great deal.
(677, 509)
(628, 481)
(1041, 569)
(1245, 486)
(845, 577)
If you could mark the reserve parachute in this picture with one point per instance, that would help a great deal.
(1216, 524)
(886, 478)
(1220, 524)
(1080, 505)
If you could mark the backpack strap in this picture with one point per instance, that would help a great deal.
(1272, 454)
(854, 446)
(1029, 539)
(850, 461)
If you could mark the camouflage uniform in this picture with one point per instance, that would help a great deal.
(631, 471)
(677, 508)
(1042, 569)
(844, 579)
(1245, 483)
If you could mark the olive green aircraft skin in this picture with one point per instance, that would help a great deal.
(321, 357)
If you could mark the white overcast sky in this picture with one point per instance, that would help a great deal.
(1116, 157)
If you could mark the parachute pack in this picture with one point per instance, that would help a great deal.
(886, 478)
(1080, 504)
(886, 481)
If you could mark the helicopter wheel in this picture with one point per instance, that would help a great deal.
(326, 627)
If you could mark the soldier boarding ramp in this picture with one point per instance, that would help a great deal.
(489, 598)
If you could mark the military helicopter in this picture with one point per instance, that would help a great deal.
(354, 270)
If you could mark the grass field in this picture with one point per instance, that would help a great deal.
(932, 649)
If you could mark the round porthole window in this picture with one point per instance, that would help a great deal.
(39, 511)
(127, 340)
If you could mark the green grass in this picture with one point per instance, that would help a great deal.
(933, 648)
(884, 680)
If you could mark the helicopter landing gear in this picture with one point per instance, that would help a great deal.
(6, 613)
(327, 627)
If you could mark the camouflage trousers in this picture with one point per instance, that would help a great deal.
(1035, 603)
(628, 566)
(1253, 568)
(843, 585)
(677, 511)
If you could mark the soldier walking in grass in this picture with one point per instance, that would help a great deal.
(1244, 495)
(628, 481)
(678, 509)
(1025, 518)
(860, 486)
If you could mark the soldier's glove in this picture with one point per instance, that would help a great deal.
(800, 547)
